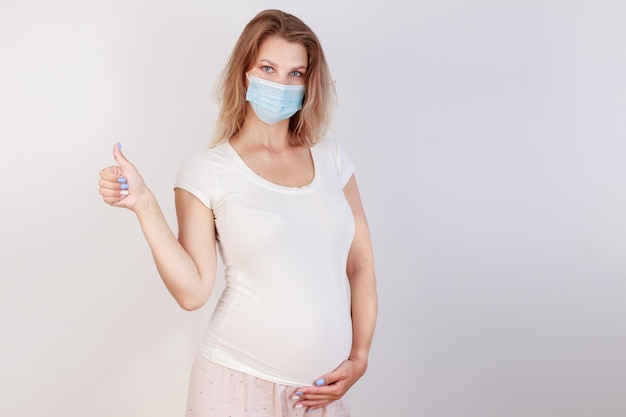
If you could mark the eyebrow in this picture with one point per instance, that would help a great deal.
(271, 64)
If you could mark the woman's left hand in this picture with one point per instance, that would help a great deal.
(330, 387)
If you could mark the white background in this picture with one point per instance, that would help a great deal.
(489, 138)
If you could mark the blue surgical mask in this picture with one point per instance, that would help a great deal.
(273, 102)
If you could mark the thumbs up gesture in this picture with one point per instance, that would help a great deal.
(121, 185)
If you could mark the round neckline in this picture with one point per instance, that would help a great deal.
(250, 173)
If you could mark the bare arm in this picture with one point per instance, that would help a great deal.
(362, 278)
(187, 265)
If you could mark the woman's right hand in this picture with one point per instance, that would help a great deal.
(121, 185)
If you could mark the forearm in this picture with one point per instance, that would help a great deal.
(175, 266)
(364, 313)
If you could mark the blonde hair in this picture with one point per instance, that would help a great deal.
(311, 122)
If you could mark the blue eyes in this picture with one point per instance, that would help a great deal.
(267, 68)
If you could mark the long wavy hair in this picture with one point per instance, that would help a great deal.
(311, 122)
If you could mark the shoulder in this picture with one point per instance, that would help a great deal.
(204, 160)
(202, 166)
(198, 173)
(331, 149)
(208, 155)
(327, 143)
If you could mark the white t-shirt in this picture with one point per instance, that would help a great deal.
(284, 315)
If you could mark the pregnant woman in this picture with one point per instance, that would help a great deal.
(278, 200)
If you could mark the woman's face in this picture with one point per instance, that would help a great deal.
(281, 62)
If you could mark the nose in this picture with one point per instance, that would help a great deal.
(283, 79)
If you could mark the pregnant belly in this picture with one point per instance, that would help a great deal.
(293, 343)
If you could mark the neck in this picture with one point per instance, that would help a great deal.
(274, 150)
(274, 138)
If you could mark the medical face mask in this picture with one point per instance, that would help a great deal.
(273, 102)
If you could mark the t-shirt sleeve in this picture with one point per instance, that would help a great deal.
(342, 162)
(196, 176)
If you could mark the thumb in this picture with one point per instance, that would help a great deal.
(324, 380)
(331, 377)
(119, 156)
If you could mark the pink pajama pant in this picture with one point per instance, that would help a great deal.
(217, 391)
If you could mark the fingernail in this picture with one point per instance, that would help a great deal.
(310, 410)
(124, 186)
(299, 393)
(320, 382)
(295, 397)
(124, 192)
(119, 145)
(298, 405)
(121, 179)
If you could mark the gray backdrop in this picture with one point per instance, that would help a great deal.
(489, 138)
